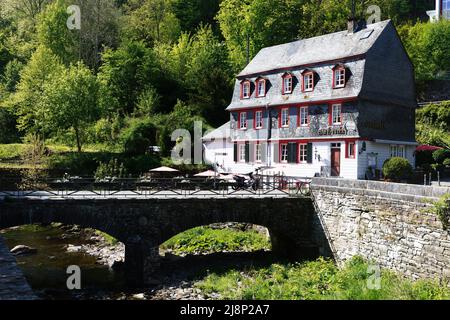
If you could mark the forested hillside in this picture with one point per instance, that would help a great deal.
(138, 69)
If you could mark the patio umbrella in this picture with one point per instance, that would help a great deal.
(164, 169)
(208, 173)
(226, 177)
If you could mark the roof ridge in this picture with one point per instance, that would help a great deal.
(288, 52)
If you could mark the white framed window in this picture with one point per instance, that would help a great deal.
(336, 116)
(284, 152)
(258, 120)
(335, 146)
(308, 82)
(246, 90)
(243, 120)
(284, 118)
(339, 77)
(242, 153)
(258, 154)
(398, 151)
(287, 84)
(351, 150)
(261, 88)
(303, 116)
(303, 153)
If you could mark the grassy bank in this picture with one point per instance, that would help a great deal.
(319, 280)
(206, 240)
(60, 158)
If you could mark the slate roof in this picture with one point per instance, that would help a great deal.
(328, 47)
(378, 68)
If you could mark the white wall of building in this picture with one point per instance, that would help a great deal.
(351, 168)
(381, 152)
(219, 151)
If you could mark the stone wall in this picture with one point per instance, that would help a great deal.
(388, 223)
(13, 285)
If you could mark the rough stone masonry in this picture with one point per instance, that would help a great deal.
(388, 223)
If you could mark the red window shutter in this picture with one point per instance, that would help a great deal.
(330, 114)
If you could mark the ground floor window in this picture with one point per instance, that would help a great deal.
(303, 153)
(242, 153)
(350, 152)
(258, 152)
(284, 152)
(398, 150)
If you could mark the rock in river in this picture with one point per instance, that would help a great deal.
(22, 249)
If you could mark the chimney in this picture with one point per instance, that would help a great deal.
(352, 25)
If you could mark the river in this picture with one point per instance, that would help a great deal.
(46, 270)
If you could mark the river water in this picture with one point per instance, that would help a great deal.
(46, 270)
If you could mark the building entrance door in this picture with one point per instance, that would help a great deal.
(335, 159)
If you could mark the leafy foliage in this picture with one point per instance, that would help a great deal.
(397, 168)
(428, 45)
(433, 124)
(69, 101)
(442, 209)
(318, 280)
(138, 136)
(206, 240)
(42, 66)
(111, 169)
(441, 155)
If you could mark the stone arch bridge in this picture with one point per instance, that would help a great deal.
(143, 224)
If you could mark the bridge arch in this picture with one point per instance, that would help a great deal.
(143, 224)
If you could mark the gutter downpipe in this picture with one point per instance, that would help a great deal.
(269, 137)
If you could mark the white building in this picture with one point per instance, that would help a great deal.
(335, 105)
(442, 10)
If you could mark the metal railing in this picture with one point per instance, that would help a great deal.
(86, 187)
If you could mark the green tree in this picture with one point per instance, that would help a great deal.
(433, 124)
(208, 75)
(53, 33)
(193, 13)
(125, 73)
(42, 66)
(11, 75)
(151, 21)
(428, 45)
(262, 22)
(69, 102)
(99, 29)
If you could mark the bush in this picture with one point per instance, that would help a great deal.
(442, 209)
(397, 169)
(138, 136)
(424, 159)
(441, 155)
(8, 130)
(111, 169)
(204, 240)
(447, 162)
(87, 163)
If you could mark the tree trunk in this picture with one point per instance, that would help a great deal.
(77, 135)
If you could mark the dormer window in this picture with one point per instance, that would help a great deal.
(308, 81)
(261, 87)
(246, 89)
(288, 83)
(339, 74)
